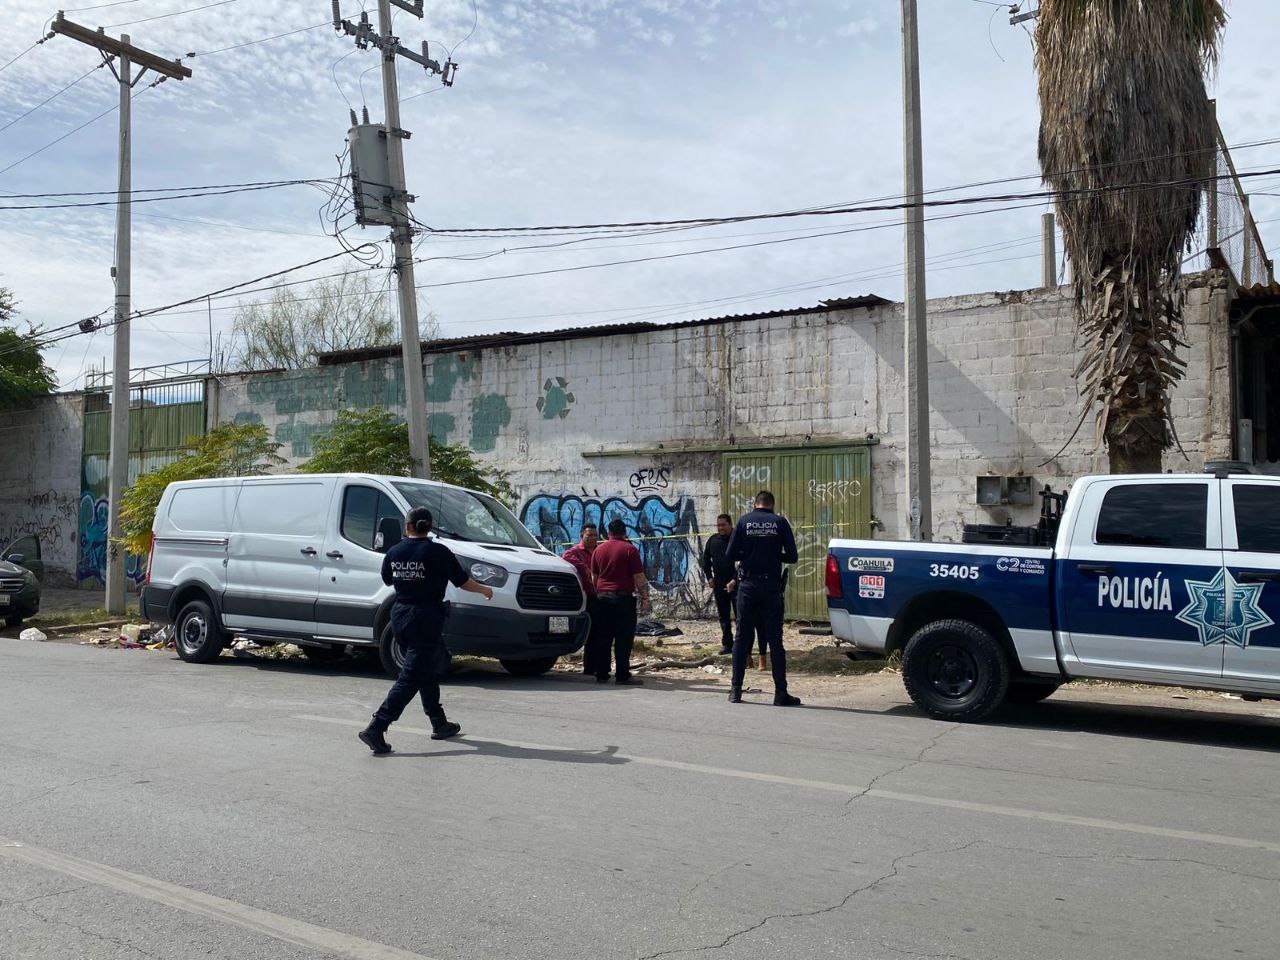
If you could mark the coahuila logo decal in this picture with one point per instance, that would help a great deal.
(1224, 611)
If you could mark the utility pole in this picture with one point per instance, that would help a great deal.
(1048, 251)
(398, 199)
(916, 360)
(125, 56)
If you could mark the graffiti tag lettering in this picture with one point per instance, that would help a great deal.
(750, 472)
(650, 478)
(834, 491)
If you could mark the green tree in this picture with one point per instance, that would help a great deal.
(231, 450)
(1123, 104)
(376, 441)
(24, 376)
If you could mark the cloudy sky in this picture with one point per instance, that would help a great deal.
(564, 111)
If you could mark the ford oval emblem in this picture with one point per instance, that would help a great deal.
(555, 591)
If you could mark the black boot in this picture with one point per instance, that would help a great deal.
(373, 738)
(735, 694)
(443, 729)
(784, 699)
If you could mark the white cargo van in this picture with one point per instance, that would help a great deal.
(298, 558)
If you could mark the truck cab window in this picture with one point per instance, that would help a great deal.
(1172, 515)
(1257, 516)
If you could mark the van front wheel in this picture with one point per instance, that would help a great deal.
(197, 635)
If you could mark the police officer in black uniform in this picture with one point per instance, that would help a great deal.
(419, 568)
(761, 543)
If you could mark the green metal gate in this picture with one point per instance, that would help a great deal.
(825, 493)
(163, 417)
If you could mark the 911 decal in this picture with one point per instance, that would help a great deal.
(953, 571)
(871, 587)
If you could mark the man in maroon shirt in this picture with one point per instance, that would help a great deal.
(619, 576)
(580, 556)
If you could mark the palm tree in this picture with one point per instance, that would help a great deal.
(1123, 105)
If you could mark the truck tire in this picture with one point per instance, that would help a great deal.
(529, 668)
(955, 670)
(196, 633)
(1026, 691)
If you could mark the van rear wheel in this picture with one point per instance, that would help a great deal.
(955, 670)
(529, 668)
(197, 635)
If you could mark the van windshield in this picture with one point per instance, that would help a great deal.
(463, 515)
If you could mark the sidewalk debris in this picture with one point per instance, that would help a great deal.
(31, 633)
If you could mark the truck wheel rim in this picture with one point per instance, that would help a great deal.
(953, 672)
(194, 631)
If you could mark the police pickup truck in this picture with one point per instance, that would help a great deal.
(1163, 579)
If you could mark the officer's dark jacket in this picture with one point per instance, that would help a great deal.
(714, 563)
(420, 569)
(761, 543)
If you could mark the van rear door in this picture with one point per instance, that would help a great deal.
(275, 555)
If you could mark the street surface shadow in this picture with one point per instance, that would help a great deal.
(496, 748)
(1137, 721)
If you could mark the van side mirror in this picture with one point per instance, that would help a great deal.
(15, 558)
(388, 535)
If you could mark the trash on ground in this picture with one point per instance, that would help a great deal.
(31, 633)
(655, 628)
(712, 668)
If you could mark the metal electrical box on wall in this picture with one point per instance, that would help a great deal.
(992, 491)
(371, 175)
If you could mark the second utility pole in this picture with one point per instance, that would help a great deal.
(915, 324)
(126, 57)
(402, 240)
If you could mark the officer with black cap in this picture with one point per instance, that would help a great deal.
(761, 543)
(420, 569)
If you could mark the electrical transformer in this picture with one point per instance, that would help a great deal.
(370, 175)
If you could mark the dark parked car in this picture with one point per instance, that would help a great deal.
(19, 585)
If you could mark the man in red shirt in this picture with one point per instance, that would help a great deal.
(580, 556)
(619, 575)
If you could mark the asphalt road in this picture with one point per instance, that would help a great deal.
(156, 809)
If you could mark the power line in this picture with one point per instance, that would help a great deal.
(86, 327)
(166, 16)
(249, 43)
(201, 186)
(10, 63)
(52, 96)
(839, 210)
(180, 196)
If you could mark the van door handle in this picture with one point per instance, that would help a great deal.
(334, 555)
(308, 551)
(1096, 569)
(1259, 576)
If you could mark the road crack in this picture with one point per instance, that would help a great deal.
(917, 759)
(894, 868)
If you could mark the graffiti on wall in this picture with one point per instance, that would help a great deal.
(650, 479)
(556, 399)
(664, 531)
(50, 517)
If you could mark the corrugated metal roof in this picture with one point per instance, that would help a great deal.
(512, 338)
(1259, 291)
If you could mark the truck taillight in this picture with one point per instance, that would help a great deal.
(151, 553)
(835, 591)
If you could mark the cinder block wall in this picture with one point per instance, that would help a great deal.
(1002, 393)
